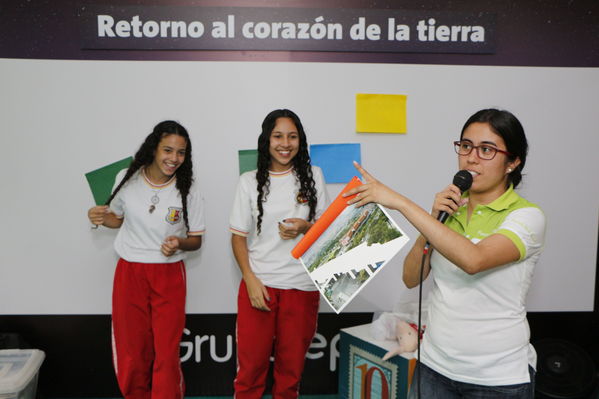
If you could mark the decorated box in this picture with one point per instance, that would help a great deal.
(362, 372)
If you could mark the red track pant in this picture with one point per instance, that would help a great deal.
(287, 330)
(148, 317)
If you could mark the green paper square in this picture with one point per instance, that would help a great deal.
(248, 160)
(102, 180)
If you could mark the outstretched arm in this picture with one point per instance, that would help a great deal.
(493, 251)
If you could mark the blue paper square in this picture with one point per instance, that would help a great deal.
(336, 160)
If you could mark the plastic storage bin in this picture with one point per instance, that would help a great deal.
(19, 369)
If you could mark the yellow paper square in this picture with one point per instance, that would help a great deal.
(381, 113)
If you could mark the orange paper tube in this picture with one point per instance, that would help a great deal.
(336, 207)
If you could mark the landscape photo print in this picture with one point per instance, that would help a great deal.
(351, 251)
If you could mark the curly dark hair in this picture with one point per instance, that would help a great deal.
(145, 157)
(301, 163)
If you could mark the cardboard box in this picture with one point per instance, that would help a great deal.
(19, 369)
(362, 372)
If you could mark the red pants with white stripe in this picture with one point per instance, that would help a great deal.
(287, 330)
(148, 317)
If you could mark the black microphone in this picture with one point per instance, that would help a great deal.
(463, 181)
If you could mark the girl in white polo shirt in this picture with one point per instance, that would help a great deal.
(477, 341)
(277, 301)
(160, 213)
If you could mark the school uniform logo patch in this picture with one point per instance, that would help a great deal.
(174, 215)
(301, 199)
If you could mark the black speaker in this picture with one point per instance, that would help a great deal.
(564, 370)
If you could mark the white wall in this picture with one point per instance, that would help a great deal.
(61, 119)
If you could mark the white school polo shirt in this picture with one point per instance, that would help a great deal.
(142, 233)
(270, 255)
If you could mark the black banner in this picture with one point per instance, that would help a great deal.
(285, 29)
(516, 32)
(79, 364)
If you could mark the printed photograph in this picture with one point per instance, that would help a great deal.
(358, 243)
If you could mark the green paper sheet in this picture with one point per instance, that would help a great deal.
(248, 160)
(101, 180)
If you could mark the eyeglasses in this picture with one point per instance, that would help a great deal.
(484, 151)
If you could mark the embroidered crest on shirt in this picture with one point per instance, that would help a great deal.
(174, 214)
(301, 199)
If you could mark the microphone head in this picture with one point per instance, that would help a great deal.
(463, 180)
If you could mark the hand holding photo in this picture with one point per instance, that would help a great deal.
(371, 190)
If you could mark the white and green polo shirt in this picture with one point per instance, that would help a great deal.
(478, 332)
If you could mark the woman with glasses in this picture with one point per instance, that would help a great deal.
(476, 343)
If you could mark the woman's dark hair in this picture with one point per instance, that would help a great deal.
(301, 163)
(145, 157)
(506, 125)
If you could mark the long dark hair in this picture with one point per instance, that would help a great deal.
(301, 163)
(508, 127)
(145, 157)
